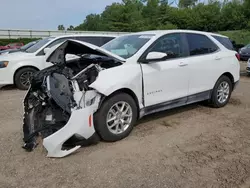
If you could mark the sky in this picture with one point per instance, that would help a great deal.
(47, 14)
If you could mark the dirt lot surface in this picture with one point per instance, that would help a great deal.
(193, 146)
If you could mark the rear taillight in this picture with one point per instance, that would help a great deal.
(238, 56)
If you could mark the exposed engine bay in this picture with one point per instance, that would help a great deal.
(59, 105)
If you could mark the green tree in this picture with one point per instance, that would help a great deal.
(151, 13)
(125, 16)
(233, 16)
(93, 22)
(204, 17)
(137, 15)
(61, 27)
(70, 28)
(186, 3)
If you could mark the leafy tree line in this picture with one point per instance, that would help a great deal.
(138, 15)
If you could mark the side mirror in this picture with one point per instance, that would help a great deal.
(156, 56)
(46, 50)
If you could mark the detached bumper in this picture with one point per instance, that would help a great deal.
(80, 123)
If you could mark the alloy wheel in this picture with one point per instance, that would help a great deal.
(119, 117)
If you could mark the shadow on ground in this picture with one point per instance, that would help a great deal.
(8, 87)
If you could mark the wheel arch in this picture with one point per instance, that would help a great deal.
(127, 91)
(20, 68)
(230, 76)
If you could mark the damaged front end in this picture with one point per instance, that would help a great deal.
(59, 106)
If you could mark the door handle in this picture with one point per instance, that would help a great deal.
(181, 64)
(217, 58)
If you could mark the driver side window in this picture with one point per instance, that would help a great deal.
(171, 44)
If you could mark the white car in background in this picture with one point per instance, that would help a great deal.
(106, 90)
(248, 67)
(17, 68)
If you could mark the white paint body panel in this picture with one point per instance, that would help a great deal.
(165, 80)
(205, 70)
(126, 76)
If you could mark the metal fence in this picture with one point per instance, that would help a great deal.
(19, 33)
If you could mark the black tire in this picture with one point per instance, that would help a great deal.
(214, 101)
(101, 115)
(17, 79)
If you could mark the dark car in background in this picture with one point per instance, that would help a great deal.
(23, 48)
(237, 46)
(245, 53)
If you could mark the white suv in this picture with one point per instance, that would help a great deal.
(17, 68)
(106, 90)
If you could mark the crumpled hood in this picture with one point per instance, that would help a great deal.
(75, 47)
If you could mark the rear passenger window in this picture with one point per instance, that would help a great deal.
(200, 44)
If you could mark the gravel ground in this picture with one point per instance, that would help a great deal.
(192, 146)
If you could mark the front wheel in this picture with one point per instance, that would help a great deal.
(221, 92)
(23, 76)
(116, 117)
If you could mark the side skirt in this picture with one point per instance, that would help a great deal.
(176, 103)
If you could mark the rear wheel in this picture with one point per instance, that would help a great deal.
(116, 117)
(221, 92)
(23, 76)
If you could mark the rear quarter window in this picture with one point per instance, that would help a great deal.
(224, 41)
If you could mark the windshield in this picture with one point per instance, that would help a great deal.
(38, 45)
(127, 46)
(247, 46)
(26, 46)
